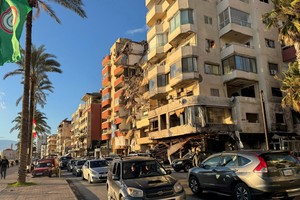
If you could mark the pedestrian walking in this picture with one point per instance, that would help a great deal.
(4, 166)
(0, 164)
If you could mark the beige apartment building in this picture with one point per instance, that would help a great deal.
(86, 126)
(51, 145)
(210, 73)
(63, 135)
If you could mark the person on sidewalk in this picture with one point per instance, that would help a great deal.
(0, 164)
(4, 166)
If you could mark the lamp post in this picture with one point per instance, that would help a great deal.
(263, 111)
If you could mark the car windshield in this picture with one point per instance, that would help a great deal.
(189, 155)
(80, 162)
(40, 165)
(98, 163)
(140, 169)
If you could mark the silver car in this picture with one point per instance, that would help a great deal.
(95, 170)
(244, 174)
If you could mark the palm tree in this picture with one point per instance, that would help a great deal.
(290, 80)
(41, 64)
(73, 5)
(285, 17)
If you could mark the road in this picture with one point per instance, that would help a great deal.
(96, 191)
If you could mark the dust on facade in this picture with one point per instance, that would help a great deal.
(204, 78)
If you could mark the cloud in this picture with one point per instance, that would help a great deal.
(137, 30)
(2, 103)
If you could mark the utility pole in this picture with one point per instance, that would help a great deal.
(263, 111)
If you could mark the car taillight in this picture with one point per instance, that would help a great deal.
(262, 166)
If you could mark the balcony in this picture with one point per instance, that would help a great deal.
(238, 78)
(278, 127)
(106, 102)
(118, 93)
(142, 123)
(116, 108)
(119, 70)
(106, 81)
(183, 79)
(106, 113)
(154, 30)
(106, 70)
(242, 5)
(236, 48)
(155, 13)
(106, 125)
(181, 33)
(118, 133)
(106, 61)
(118, 120)
(235, 29)
(158, 92)
(144, 140)
(106, 91)
(156, 54)
(119, 82)
(106, 136)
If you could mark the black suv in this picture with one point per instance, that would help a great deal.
(186, 162)
(141, 178)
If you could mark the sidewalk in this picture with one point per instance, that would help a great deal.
(46, 188)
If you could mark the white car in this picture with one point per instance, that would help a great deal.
(95, 170)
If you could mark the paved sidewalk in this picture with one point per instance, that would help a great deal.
(46, 188)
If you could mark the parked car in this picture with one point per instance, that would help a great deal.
(186, 162)
(70, 165)
(141, 178)
(46, 167)
(63, 161)
(245, 174)
(77, 168)
(95, 170)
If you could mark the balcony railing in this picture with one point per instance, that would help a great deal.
(235, 21)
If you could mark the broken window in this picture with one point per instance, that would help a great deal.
(252, 117)
(177, 118)
(153, 124)
(248, 92)
(163, 122)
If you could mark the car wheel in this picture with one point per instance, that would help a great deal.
(242, 192)
(187, 167)
(89, 179)
(82, 176)
(195, 185)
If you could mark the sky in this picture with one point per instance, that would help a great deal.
(80, 46)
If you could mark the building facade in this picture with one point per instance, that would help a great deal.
(51, 146)
(63, 135)
(210, 71)
(86, 126)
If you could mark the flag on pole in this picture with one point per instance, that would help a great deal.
(34, 128)
(12, 17)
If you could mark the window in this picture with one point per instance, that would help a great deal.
(236, 16)
(212, 69)
(217, 115)
(105, 97)
(213, 162)
(153, 124)
(214, 92)
(189, 64)
(279, 118)
(180, 18)
(229, 161)
(239, 63)
(105, 75)
(173, 71)
(273, 68)
(270, 43)
(243, 161)
(265, 1)
(158, 41)
(252, 117)
(276, 92)
(207, 20)
(209, 44)
(162, 80)
(151, 85)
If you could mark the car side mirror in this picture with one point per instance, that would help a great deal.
(115, 177)
(201, 165)
(169, 171)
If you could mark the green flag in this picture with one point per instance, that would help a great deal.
(12, 17)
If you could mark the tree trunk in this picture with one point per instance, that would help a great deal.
(25, 102)
(31, 116)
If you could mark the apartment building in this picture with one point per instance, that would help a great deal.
(51, 145)
(210, 73)
(86, 126)
(63, 134)
(118, 68)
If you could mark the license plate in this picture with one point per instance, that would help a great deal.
(104, 175)
(39, 174)
(287, 172)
